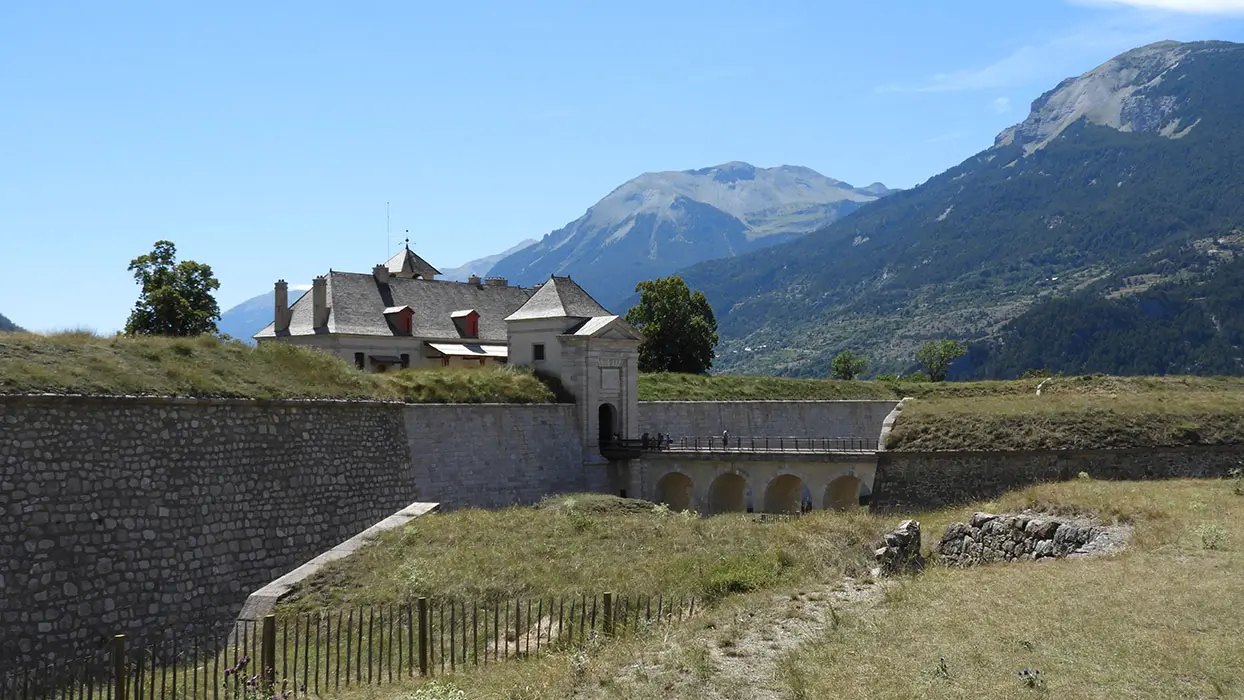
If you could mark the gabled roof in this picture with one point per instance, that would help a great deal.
(407, 262)
(606, 326)
(357, 304)
(560, 297)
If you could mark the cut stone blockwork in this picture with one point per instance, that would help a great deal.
(900, 552)
(1020, 537)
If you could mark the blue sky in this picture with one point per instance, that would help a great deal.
(264, 138)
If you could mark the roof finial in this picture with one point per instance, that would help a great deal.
(407, 239)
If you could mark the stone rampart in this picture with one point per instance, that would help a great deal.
(773, 418)
(988, 538)
(493, 455)
(136, 515)
(910, 481)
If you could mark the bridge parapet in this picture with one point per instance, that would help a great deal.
(760, 444)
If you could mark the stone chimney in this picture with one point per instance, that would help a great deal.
(474, 279)
(496, 282)
(319, 301)
(280, 307)
(381, 273)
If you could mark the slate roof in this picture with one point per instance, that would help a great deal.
(406, 261)
(560, 297)
(357, 304)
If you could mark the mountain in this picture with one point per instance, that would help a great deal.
(482, 266)
(1121, 180)
(660, 222)
(248, 318)
(7, 325)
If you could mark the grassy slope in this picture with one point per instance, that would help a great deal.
(1071, 412)
(588, 544)
(1158, 621)
(80, 363)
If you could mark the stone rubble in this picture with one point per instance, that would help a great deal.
(900, 552)
(990, 538)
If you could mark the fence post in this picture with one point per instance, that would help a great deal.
(118, 666)
(422, 607)
(608, 614)
(267, 651)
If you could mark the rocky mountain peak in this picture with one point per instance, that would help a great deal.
(1130, 92)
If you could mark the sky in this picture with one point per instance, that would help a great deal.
(267, 139)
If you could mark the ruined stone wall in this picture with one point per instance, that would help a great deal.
(990, 538)
(765, 418)
(136, 515)
(493, 455)
(910, 481)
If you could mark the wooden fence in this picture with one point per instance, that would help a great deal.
(318, 654)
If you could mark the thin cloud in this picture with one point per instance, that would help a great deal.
(1041, 63)
(1199, 7)
(1000, 105)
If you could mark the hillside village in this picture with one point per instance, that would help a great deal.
(734, 432)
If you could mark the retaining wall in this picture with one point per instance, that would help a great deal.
(909, 481)
(493, 455)
(132, 515)
(773, 418)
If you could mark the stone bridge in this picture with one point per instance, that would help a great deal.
(781, 475)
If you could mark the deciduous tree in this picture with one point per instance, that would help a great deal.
(937, 356)
(176, 297)
(848, 365)
(679, 328)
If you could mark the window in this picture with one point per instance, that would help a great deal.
(537, 352)
(358, 360)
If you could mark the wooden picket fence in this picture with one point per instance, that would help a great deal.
(318, 654)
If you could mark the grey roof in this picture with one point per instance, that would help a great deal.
(357, 304)
(560, 297)
(407, 262)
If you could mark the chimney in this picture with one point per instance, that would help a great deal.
(280, 310)
(474, 279)
(319, 302)
(381, 273)
(496, 281)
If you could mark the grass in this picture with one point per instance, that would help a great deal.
(1160, 620)
(82, 363)
(1078, 413)
(587, 543)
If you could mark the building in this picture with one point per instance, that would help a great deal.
(401, 316)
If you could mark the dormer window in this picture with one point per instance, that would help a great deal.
(401, 319)
(467, 322)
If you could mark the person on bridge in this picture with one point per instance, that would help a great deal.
(725, 439)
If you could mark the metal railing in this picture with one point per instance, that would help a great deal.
(749, 443)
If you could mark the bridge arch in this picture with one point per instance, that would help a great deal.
(728, 494)
(784, 495)
(842, 493)
(674, 490)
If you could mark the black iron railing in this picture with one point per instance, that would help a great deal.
(739, 443)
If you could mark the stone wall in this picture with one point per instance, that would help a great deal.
(990, 538)
(131, 515)
(759, 418)
(491, 455)
(909, 481)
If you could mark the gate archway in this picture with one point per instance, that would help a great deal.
(607, 423)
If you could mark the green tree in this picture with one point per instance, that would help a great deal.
(937, 355)
(679, 328)
(848, 365)
(176, 297)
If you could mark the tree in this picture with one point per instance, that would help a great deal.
(176, 297)
(848, 365)
(679, 328)
(937, 356)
